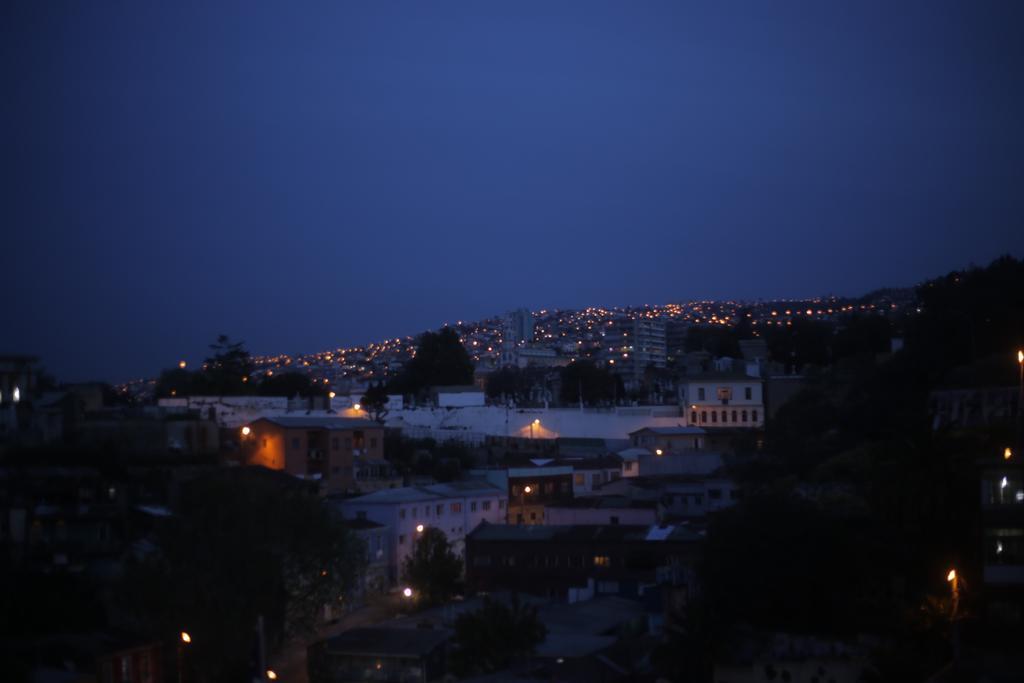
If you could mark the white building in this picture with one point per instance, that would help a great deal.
(724, 400)
(456, 508)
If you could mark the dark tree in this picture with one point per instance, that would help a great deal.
(375, 402)
(176, 382)
(441, 360)
(595, 385)
(227, 371)
(289, 384)
(432, 570)
(243, 543)
(495, 636)
(718, 340)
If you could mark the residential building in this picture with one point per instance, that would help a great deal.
(456, 508)
(631, 345)
(590, 474)
(1002, 514)
(381, 655)
(578, 562)
(726, 399)
(678, 496)
(323, 449)
(668, 439)
(374, 579)
(533, 486)
(602, 510)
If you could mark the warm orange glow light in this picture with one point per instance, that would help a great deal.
(536, 422)
(951, 576)
(331, 395)
(1020, 356)
(407, 592)
(528, 489)
(182, 364)
(185, 637)
(1007, 454)
(419, 528)
(271, 675)
(246, 431)
(658, 451)
(356, 406)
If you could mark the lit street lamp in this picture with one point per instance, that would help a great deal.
(535, 423)
(184, 639)
(522, 501)
(419, 528)
(407, 592)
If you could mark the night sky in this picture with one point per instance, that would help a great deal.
(306, 178)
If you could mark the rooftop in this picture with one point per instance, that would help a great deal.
(414, 494)
(671, 431)
(332, 423)
(582, 532)
(386, 642)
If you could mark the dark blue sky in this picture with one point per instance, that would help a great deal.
(330, 174)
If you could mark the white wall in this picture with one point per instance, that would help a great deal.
(554, 422)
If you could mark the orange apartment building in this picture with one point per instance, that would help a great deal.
(325, 449)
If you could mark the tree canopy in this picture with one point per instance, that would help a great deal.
(440, 360)
(494, 636)
(432, 570)
(595, 385)
(242, 543)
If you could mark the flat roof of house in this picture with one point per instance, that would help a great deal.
(321, 422)
(387, 642)
(671, 431)
(415, 494)
(604, 462)
(604, 503)
(581, 532)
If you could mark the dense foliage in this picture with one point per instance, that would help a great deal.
(432, 570)
(495, 636)
(243, 543)
(440, 360)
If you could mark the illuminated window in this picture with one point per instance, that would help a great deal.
(724, 393)
(579, 479)
(602, 561)
(456, 507)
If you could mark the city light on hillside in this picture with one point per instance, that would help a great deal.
(271, 675)
(182, 364)
(185, 637)
(1007, 454)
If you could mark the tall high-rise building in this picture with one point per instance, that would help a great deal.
(635, 344)
(518, 330)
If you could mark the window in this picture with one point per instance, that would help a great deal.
(482, 561)
(748, 393)
(724, 394)
(693, 417)
(415, 512)
(516, 489)
(487, 505)
(334, 443)
(401, 540)
(295, 442)
(744, 414)
(596, 479)
(614, 519)
(714, 416)
(602, 561)
(549, 487)
(501, 505)
(725, 416)
(628, 466)
(456, 508)
(734, 416)
(579, 479)
(401, 513)
(472, 506)
(700, 394)
(753, 415)
(703, 416)
(440, 509)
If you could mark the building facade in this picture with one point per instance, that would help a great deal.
(323, 449)
(455, 508)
